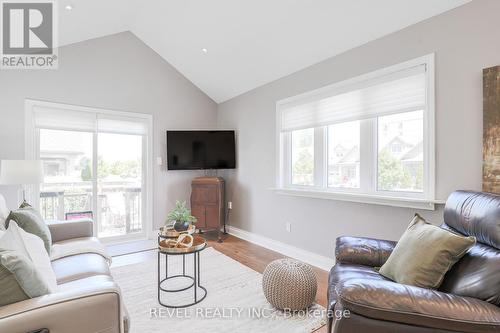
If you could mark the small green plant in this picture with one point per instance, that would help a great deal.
(180, 214)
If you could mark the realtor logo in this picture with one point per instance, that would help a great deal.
(28, 35)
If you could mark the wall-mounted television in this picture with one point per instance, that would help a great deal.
(195, 150)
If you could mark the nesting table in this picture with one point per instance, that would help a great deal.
(190, 256)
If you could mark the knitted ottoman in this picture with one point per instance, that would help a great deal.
(289, 284)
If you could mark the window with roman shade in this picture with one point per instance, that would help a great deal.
(370, 135)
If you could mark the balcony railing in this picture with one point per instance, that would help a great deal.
(118, 205)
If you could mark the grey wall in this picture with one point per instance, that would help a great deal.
(464, 40)
(116, 72)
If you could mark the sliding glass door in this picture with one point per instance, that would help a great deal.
(96, 165)
(119, 184)
(67, 165)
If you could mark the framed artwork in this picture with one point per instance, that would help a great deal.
(491, 129)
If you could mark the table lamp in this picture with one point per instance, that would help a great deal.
(21, 172)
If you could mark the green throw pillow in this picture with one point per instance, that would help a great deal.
(30, 220)
(424, 254)
(19, 278)
(11, 291)
(25, 270)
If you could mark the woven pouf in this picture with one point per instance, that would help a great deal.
(289, 284)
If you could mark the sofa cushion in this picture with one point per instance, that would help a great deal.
(363, 251)
(31, 221)
(424, 254)
(391, 301)
(341, 272)
(82, 306)
(79, 266)
(475, 214)
(476, 275)
(74, 246)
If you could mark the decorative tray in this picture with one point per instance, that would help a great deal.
(172, 246)
(171, 233)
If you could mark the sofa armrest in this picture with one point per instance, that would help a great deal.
(63, 230)
(363, 251)
(391, 301)
(87, 305)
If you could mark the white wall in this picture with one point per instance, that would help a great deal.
(116, 72)
(464, 40)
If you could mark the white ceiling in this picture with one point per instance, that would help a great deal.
(249, 42)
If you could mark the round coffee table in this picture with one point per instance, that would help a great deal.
(199, 292)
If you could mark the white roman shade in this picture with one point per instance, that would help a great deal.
(65, 119)
(122, 125)
(396, 92)
(54, 118)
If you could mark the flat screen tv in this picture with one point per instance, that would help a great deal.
(195, 150)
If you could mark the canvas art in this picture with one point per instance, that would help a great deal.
(491, 129)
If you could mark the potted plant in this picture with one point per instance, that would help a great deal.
(180, 217)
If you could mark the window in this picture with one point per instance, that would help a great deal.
(371, 136)
(95, 162)
(343, 155)
(400, 152)
(303, 157)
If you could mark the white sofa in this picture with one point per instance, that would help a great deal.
(87, 299)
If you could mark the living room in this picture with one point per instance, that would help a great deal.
(240, 166)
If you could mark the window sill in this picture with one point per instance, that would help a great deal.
(415, 203)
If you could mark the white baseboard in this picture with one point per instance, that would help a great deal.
(311, 258)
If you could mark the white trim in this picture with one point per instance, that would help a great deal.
(361, 198)
(314, 259)
(31, 150)
(430, 127)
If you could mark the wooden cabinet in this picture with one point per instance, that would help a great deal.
(207, 203)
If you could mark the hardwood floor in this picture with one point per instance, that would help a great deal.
(249, 254)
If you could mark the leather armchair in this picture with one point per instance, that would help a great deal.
(361, 300)
(87, 299)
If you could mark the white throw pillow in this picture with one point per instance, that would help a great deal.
(4, 212)
(32, 246)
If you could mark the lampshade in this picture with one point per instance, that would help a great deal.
(21, 172)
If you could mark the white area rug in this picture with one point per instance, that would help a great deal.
(235, 302)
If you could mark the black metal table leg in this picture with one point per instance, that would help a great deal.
(159, 279)
(196, 285)
(195, 277)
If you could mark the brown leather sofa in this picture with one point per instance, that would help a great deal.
(87, 300)
(361, 300)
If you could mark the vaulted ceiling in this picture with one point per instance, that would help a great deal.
(228, 47)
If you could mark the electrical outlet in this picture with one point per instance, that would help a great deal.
(229, 205)
(288, 227)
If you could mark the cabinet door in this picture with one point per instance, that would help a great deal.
(198, 211)
(204, 194)
(212, 216)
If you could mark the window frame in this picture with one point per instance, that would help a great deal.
(32, 151)
(368, 191)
